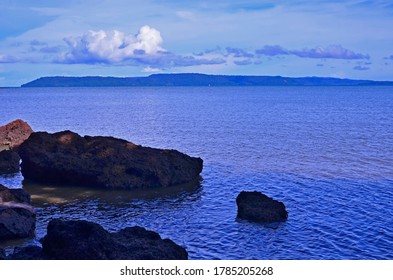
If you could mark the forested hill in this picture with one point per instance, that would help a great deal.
(196, 80)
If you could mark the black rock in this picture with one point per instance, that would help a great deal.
(9, 162)
(16, 222)
(104, 162)
(82, 240)
(257, 207)
(17, 216)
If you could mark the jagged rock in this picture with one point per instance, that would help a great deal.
(103, 162)
(9, 162)
(257, 207)
(12, 135)
(82, 240)
(17, 216)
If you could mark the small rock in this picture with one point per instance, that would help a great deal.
(16, 222)
(9, 162)
(14, 195)
(17, 216)
(257, 207)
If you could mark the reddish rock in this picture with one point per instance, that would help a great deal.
(104, 162)
(12, 135)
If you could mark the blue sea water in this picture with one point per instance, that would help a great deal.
(326, 152)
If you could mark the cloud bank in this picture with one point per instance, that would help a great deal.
(332, 51)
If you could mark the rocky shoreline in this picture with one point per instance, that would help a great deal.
(103, 163)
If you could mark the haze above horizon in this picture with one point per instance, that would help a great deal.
(342, 39)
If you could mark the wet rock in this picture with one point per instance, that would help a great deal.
(257, 207)
(103, 162)
(17, 216)
(82, 240)
(12, 135)
(9, 162)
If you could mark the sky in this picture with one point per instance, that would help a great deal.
(293, 38)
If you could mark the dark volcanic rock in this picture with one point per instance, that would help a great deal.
(103, 162)
(257, 207)
(9, 162)
(16, 222)
(12, 135)
(17, 217)
(82, 240)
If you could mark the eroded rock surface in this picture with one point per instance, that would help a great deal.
(103, 162)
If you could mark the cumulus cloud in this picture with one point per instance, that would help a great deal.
(112, 47)
(333, 51)
(116, 48)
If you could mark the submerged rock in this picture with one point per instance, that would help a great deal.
(82, 240)
(12, 135)
(17, 216)
(257, 207)
(9, 162)
(103, 162)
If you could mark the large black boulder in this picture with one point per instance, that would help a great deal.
(257, 207)
(83, 240)
(104, 162)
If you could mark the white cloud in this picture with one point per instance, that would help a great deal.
(112, 47)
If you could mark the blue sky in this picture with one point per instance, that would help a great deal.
(346, 39)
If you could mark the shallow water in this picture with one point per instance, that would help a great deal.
(326, 152)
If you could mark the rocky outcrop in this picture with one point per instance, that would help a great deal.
(82, 240)
(12, 135)
(103, 162)
(9, 162)
(17, 217)
(257, 207)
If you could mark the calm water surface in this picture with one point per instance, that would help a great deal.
(326, 152)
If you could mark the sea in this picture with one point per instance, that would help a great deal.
(325, 152)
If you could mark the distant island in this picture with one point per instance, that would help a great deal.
(191, 79)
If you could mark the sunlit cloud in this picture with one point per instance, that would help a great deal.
(111, 47)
